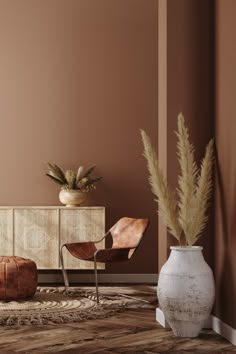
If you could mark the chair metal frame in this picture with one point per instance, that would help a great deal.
(124, 252)
(64, 272)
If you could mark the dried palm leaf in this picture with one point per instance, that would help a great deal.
(89, 171)
(70, 178)
(55, 179)
(79, 173)
(56, 171)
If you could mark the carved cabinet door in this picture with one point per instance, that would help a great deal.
(81, 225)
(36, 236)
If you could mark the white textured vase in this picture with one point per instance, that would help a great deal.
(186, 290)
(71, 197)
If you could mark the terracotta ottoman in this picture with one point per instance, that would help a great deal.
(18, 278)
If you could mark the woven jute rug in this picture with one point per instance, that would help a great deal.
(53, 305)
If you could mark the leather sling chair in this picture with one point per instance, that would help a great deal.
(126, 236)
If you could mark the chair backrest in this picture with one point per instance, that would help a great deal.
(128, 232)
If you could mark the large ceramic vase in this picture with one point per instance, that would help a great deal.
(72, 197)
(186, 290)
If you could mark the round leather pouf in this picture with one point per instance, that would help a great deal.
(18, 278)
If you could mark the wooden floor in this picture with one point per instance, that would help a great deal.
(132, 331)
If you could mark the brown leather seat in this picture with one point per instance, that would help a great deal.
(126, 235)
(18, 278)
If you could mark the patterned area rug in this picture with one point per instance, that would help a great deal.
(53, 305)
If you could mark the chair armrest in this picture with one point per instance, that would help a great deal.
(103, 237)
(112, 254)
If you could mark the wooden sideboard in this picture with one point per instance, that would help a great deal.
(38, 232)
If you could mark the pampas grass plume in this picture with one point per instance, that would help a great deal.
(185, 216)
(164, 196)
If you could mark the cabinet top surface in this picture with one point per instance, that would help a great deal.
(51, 207)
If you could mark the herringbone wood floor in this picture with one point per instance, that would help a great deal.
(132, 331)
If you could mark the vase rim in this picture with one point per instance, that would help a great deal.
(186, 248)
(71, 191)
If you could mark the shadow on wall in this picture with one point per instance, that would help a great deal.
(225, 291)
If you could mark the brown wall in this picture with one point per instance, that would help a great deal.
(77, 81)
(190, 84)
(225, 225)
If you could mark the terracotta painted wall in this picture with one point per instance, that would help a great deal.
(190, 85)
(225, 225)
(77, 81)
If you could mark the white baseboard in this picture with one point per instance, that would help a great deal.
(102, 278)
(160, 318)
(213, 322)
(224, 330)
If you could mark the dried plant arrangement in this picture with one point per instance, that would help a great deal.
(185, 210)
(80, 180)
